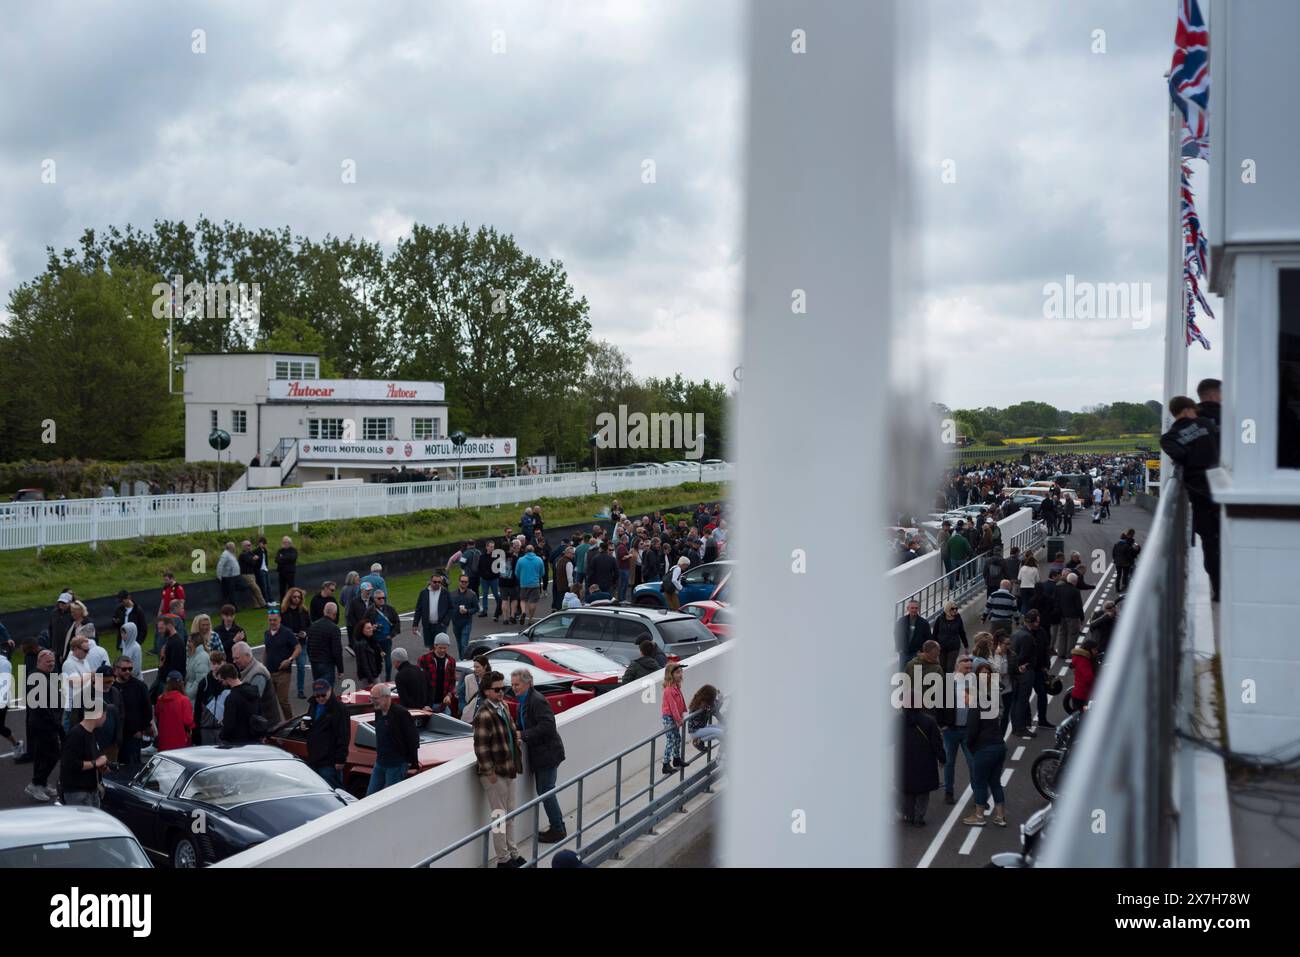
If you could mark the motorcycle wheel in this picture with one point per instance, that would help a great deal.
(1045, 773)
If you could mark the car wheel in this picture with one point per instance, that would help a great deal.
(185, 854)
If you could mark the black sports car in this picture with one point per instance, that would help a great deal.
(196, 806)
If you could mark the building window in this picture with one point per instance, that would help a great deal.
(238, 421)
(212, 416)
(1288, 369)
(328, 429)
(295, 368)
(424, 429)
(376, 430)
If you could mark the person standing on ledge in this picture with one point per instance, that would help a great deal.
(1193, 443)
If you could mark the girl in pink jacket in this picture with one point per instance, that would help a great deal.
(672, 715)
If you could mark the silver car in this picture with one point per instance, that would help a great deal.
(59, 836)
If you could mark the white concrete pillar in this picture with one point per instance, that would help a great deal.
(809, 710)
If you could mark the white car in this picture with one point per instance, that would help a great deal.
(67, 836)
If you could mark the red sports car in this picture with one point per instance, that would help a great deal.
(442, 738)
(714, 615)
(562, 691)
(586, 667)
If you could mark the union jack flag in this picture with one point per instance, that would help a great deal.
(1189, 79)
(1194, 333)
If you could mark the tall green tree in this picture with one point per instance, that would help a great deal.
(85, 344)
(505, 331)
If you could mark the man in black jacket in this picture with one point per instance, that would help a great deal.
(1124, 555)
(329, 733)
(1031, 651)
(1193, 443)
(397, 743)
(242, 705)
(325, 644)
(173, 653)
(137, 715)
(286, 565)
(910, 633)
(432, 610)
(602, 569)
(44, 725)
(128, 610)
(357, 610)
(1070, 601)
(536, 723)
(412, 684)
(60, 622)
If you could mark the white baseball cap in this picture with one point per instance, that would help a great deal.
(65, 598)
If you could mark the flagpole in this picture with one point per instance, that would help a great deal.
(1175, 382)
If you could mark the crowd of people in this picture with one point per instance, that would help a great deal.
(1032, 619)
(86, 712)
(1033, 611)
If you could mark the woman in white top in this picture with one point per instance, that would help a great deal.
(1028, 577)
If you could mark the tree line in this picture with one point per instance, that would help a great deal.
(990, 425)
(84, 347)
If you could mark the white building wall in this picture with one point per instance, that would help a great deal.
(224, 383)
(1254, 230)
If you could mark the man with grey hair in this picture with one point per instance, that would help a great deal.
(254, 674)
(1070, 601)
(228, 573)
(537, 730)
(412, 687)
(397, 743)
(325, 644)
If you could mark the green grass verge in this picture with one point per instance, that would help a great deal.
(34, 579)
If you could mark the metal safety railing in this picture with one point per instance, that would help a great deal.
(1117, 802)
(89, 521)
(959, 583)
(661, 800)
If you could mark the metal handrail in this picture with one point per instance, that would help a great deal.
(624, 830)
(957, 584)
(1117, 802)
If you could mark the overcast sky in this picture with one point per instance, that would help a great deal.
(1058, 152)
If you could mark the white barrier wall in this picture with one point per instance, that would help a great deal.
(402, 825)
(1014, 525)
(910, 578)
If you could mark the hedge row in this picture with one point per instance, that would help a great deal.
(76, 478)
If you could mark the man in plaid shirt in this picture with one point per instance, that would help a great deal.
(496, 747)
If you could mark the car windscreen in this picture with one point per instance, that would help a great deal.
(677, 630)
(233, 784)
(92, 852)
(582, 660)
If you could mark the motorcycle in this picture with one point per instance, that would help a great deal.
(1050, 765)
(1030, 832)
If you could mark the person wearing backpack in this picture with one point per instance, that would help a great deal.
(241, 709)
(672, 582)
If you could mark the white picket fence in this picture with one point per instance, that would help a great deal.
(93, 520)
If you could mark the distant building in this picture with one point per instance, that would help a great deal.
(280, 412)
